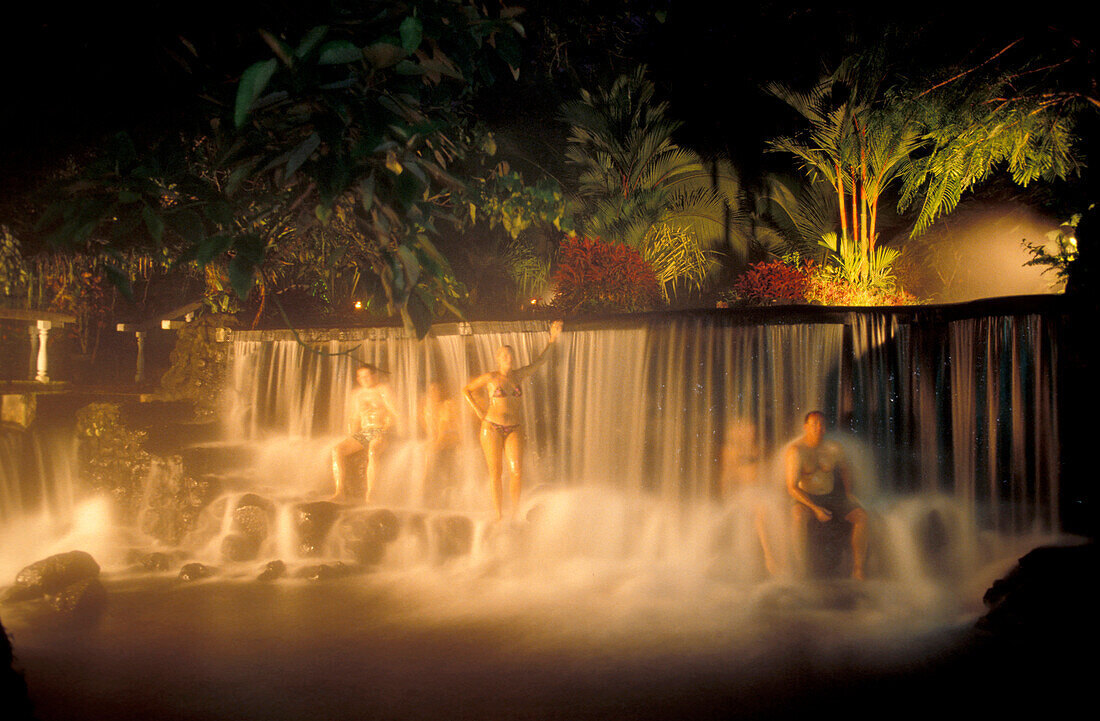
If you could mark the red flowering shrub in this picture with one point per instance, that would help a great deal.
(793, 280)
(597, 276)
(774, 281)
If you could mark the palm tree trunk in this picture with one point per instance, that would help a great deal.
(840, 196)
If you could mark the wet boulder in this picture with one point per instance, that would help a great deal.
(195, 572)
(454, 535)
(1046, 602)
(240, 547)
(251, 521)
(52, 574)
(828, 548)
(84, 598)
(253, 499)
(313, 522)
(152, 561)
(249, 528)
(369, 532)
(272, 570)
(323, 571)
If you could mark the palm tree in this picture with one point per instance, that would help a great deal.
(854, 143)
(639, 184)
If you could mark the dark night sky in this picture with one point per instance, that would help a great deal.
(69, 78)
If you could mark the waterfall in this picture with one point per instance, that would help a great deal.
(928, 406)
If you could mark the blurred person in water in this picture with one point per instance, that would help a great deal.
(370, 424)
(742, 482)
(439, 421)
(819, 481)
(501, 415)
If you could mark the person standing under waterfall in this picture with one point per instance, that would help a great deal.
(741, 482)
(372, 418)
(819, 482)
(502, 434)
(439, 419)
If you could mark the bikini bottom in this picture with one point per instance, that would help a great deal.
(504, 430)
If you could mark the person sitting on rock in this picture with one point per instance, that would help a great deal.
(819, 482)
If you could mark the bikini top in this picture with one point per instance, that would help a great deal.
(499, 392)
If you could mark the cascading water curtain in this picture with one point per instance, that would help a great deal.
(1005, 421)
(965, 407)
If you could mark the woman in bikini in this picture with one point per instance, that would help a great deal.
(502, 420)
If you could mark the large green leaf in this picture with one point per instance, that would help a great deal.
(252, 85)
(242, 267)
(412, 32)
(310, 41)
(301, 154)
(339, 52)
(383, 55)
(154, 223)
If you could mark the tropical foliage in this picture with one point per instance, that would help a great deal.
(868, 128)
(596, 276)
(1058, 253)
(854, 142)
(676, 257)
(774, 281)
(794, 279)
(634, 179)
(359, 123)
(1009, 112)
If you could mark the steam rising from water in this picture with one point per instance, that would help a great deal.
(977, 252)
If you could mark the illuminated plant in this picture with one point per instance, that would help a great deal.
(595, 276)
(775, 281)
(1064, 241)
(676, 256)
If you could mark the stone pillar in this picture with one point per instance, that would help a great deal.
(34, 352)
(42, 376)
(139, 377)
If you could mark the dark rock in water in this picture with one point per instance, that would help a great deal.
(273, 570)
(240, 547)
(828, 552)
(382, 524)
(252, 499)
(367, 551)
(83, 598)
(1047, 601)
(51, 575)
(313, 521)
(174, 500)
(369, 532)
(251, 521)
(195, 572)
(323, 571)
(454, 535)
(156, 561)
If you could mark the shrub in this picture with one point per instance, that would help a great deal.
(775, 281)
(594, 275)
(829, 287)
(794, 280)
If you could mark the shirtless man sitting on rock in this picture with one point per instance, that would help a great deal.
(372, 418)
(819, 481)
